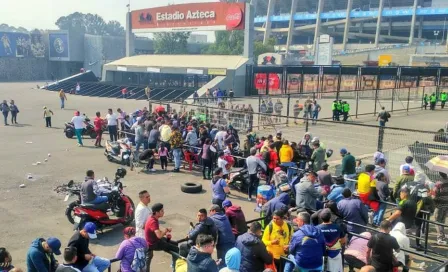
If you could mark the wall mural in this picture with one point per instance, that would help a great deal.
(22, 45)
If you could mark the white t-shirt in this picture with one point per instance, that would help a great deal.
(220, 136)
(222, 163)
(78, 88)
(78, 122)
(142, 213)
(111, 119)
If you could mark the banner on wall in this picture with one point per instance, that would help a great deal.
(59, 47)
(37, 45)
(14, 44)
(261, 79)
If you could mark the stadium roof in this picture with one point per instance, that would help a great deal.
(181, 61)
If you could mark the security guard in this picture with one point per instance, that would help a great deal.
(339, 109)
(425, 101)
(345, 110)
(432, 101)
(334, 109)
(443, 98)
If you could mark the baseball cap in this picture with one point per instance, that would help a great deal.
(277, 169)
(343, 151)
(226, 203)
(91, 230)
(315, 139)
(55, 245)
(406, 168)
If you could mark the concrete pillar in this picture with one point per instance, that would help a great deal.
(267, 31)
(291, 25)
(378, 23)
(389, 29)
(420, 27)
(249, 33)
(320, 8)
(130, 47)
(414, 16)
(347, 24)
(361, 27)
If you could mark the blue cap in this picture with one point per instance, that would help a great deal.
(226, 203)
(91, 229)
(406, 168)
(343, 151)
(55, 245)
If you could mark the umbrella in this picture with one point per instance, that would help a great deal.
(438, 164)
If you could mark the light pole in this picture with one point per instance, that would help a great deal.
(436, 34)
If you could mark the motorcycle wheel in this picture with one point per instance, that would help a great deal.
(92, 134)
(130, 217)
(69, 133)
(69, 212)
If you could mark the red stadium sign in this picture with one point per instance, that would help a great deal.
(260, 81)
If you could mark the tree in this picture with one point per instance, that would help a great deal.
(171, 42)
(90, 24)
(8, 28)
(260, 48)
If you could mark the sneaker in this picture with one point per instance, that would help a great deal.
(79, 145)
(419, 248)
(152, 170)
(441, 242)
(249, 199)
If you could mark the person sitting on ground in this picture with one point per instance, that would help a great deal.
(86, 260)
(336, 190)
(307, 247)
(226, 239)
(399, 233)
(40, 256)
(381, 247)
(236, 218)
(334, 239)
(233, 260)
(90, 193)
(70, 256)
(199, 258)
(353, 210)
(355, 253)
(181, 263)
(205, 225)
(276, 237)
(254, 255)
(131, 247)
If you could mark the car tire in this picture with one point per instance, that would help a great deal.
(191, 188)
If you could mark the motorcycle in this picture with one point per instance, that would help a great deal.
(87, 131)
(118, 152)
(118, 210)
(239, 180)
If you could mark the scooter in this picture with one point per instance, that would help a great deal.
(89, 130)
(118, 210)
(118, 152)
(239, 180)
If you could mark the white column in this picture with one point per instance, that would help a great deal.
(414, 16)
(378, 23)
(320, 7)
(291, 25)
(347, 24)
(267, 31)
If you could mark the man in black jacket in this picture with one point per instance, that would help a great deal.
(205, 225)
(199, 258)
(254, 255)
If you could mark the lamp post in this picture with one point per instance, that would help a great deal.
(436, 34)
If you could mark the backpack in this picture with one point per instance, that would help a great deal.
(139, 261)
(271, 227)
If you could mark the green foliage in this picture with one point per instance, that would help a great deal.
(171, 42)
(90, 24)
(260, 48)
(8, 28)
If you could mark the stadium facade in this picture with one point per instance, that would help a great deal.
(368, 22)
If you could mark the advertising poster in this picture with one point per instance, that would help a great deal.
(59, 49)
(273, 81)
(14, 44)
(37, 45)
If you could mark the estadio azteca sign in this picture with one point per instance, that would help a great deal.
(190, 17)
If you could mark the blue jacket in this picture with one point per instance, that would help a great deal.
(308, 247)
(206, 227)
(225, 234)
(336, 193)
(277, 203)
(353, 210)
(37, 260)
(253, 253)
(200, 262)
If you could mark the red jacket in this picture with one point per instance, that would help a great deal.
(273, 159)
(237, 219)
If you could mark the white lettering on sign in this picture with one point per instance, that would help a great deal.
(191, 15)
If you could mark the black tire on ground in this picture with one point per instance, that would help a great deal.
(191, 188)
(92, 134)
(69, 211)
(69, 133)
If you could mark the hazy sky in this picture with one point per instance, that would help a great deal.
(42, 14)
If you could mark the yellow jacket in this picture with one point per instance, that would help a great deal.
(286, 154)
(276, 234)
(181, 265)
(365, 183)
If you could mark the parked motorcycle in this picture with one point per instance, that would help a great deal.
(239, 180)
(87, 131)
(118, 210)
(118, 152)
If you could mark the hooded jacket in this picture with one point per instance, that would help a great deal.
(336, 193)
(181, 265)
(306, 194)
(233, 260)
(277, 203)
(286, 153)
(37, 259)
(308, 247)
(225, 234)
(200, 261)
(253, 253)
(399, 233)
(237, 219)
(205, 227)
(353, 210)
(380, 169)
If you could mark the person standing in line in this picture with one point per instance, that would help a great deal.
(253, 162)
(176, 145)
(78, 123)
(278, 107)
(148, 92)
(226, 239)
(163, 156)
(112, 122)
(236, 218)
(124, 91)
(14, 111)
(345, 110)
(348, 169)
(432, 101)
(63, 98)
(47, 116)
(142, 213)
(77, 88)
(334, 109)
(98, 127)
(353, 210)
(381, 247)
(334, 239)
(315, 109)
(425, 101)
(443, 98)
(199, 258)
(207, 161)
(297, 108)
(4, 108)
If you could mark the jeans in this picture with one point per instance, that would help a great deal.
(48, 121)
(290, 172)
(382, 123)
(97, 265)
(113, 133)
(253, 185)
(78, 133)
(292, 266)
(5, 117)
(138, 144)
(13, 117)
(350, 183)
(99, 133)
(440, 214)
(99, 199)
(177, 153)
(162, 245)
(62, 103)
(315, 116)
(207, 163)
(378, 215)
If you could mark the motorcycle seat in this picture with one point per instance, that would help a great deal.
(102, 206)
